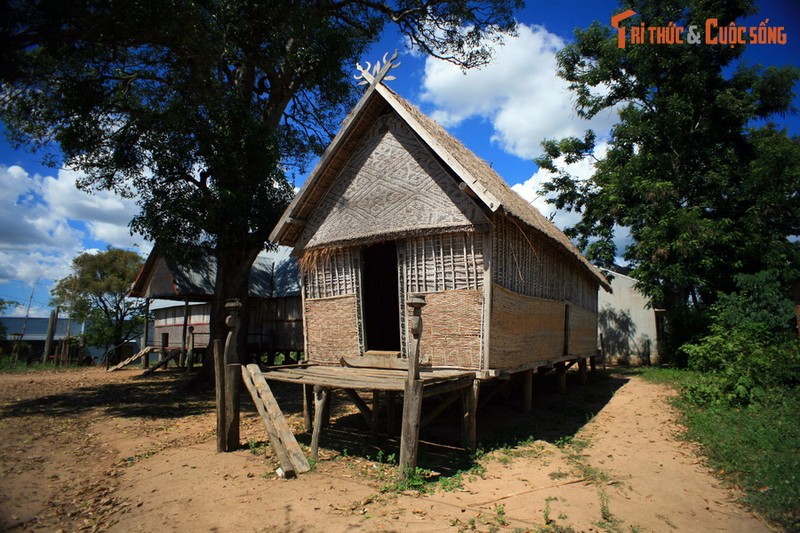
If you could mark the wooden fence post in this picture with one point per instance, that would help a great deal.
(233, 376)
(412, 397)
(219, 388)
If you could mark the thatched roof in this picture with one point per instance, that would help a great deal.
(491, 190)
(273, 275)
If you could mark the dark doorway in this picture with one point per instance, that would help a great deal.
(379, 297)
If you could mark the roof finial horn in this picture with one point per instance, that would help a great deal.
(379, 72)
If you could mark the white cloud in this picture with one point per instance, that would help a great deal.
(519, 93)
(45, 221)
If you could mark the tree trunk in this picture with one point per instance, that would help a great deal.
(232, 281)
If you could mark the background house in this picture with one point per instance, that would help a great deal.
(628, 326)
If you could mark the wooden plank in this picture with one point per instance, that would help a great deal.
(277, 445)
(320, 399)
(281, 426)
(163, 361)
(141, 353)
(370, 360)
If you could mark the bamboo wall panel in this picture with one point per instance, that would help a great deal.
(582, 332)
(392, 185)
(331, 273)
(445, 262)
(524, 329)
(451, 330)
(332, 326)
(527, 263)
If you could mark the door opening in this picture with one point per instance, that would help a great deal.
(380, 299)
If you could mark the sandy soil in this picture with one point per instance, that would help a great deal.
(93, 451)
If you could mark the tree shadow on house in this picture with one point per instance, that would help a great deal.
(620, 341)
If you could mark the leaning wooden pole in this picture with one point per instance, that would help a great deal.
(412, 397)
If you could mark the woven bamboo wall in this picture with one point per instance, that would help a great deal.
(524, 329)
(527, 263)
(451, 331)
(332, 326)
(582, 332)
(446, 262)
(332, 273)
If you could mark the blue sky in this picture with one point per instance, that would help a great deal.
(502, 112)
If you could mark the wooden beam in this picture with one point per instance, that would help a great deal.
(363, 408)
(582, 370)
(320, 399)
(440, 408)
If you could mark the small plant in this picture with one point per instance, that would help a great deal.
(500, 515)
(558, 474)
(546, 512)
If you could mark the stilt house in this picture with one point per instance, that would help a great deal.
(397, 206)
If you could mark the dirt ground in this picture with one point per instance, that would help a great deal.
(87, 450)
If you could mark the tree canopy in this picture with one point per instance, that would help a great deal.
(706, 185)
(199, 109)
(96, 293)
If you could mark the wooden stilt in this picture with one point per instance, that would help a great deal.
(527, 391)
(308, 401)
(469, 427)
(593, 364)
(582, 370)
(391, 418)
(561, 376)
(376, 401)
(320, 400)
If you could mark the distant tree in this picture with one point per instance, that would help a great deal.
(707, 187)
(96, 293)
(4, 304)
(201, 108)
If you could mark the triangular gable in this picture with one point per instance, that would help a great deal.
(475, 174)
(391, 186)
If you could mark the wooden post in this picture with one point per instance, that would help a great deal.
(412, 397)
(164, 345)
(561, 376)
(582, 370)
(184, 334)
(320, 400)
(146, 334)
(233, 373)
(219, 376)
(527, 391)
(51, 331)
(190, 350)
(308, 401)
(469, 427)
(593, 363)
(376, 400)
(391, 418)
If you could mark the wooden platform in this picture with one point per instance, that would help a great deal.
(435, 381)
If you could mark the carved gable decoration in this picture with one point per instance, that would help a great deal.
(391, 185)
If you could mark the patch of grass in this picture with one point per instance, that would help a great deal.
(558, 474)
(416, 479)
(20, 366)
(754, 447)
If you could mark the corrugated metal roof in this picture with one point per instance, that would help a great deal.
(274, 275)
(36, 327)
